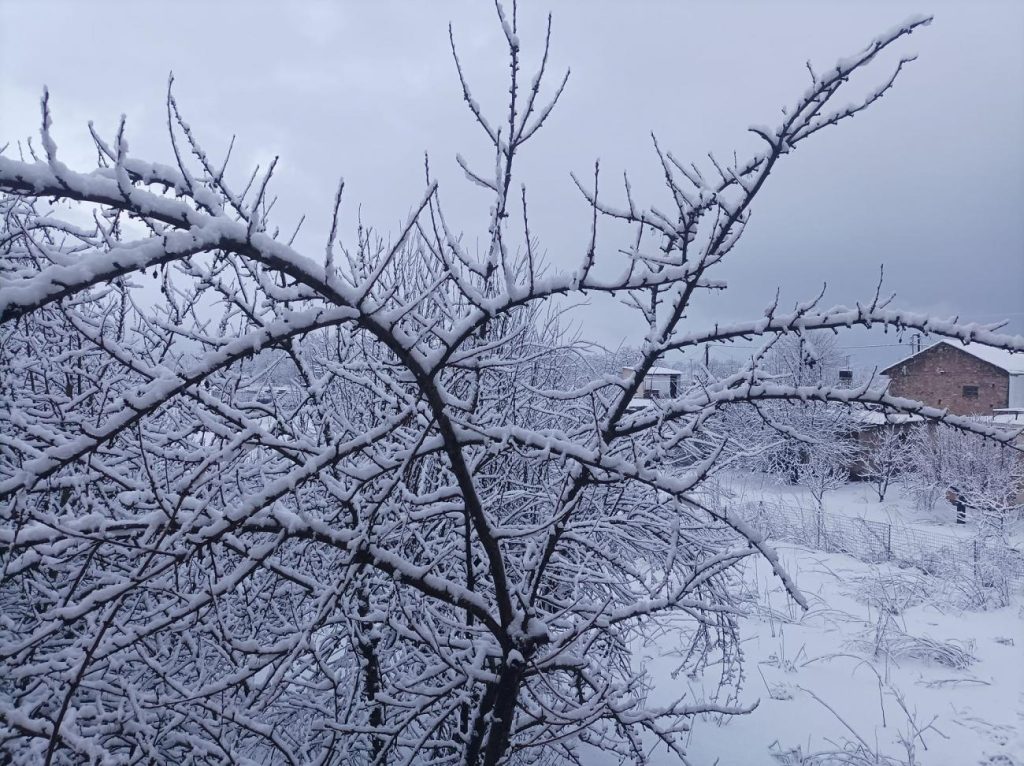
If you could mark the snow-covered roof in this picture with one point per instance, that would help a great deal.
(1012, 363)
(659, 371)
(868, 419)
(639, 401)
(879, 418)
(1008, 417)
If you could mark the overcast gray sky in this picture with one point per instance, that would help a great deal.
(929, 182)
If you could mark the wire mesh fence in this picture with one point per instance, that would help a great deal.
(985, 561)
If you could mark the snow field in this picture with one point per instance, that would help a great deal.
(882, 668)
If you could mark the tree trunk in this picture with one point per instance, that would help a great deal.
(503, 713)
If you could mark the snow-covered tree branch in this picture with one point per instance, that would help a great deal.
(372, 504)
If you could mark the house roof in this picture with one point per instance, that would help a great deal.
(869, 418)
(659, 371)
(1013, 363)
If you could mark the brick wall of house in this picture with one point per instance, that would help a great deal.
(938, 375)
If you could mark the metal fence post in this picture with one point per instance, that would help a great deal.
(888, 541)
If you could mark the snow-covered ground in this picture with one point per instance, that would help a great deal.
(859, 500)
(886, 660)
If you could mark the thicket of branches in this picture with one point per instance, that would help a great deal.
(806, 443)
(440, 540)
(942, 463)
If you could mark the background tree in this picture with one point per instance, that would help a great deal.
(990, 479)
(816, 450)
(806, 443)
(811, 357)
(440, 546)
(885, 457)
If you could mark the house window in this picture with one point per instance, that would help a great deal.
(970, 392)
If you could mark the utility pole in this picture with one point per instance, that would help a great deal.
(800, 363)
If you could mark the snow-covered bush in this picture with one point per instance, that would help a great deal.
(354, 504)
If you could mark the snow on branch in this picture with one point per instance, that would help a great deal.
(374, 504)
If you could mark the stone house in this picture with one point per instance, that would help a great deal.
(967, 379)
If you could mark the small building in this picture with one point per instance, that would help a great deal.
(660, 383)
(970, 379)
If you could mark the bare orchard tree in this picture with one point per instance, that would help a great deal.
(805, 443)
(352, 505)
(810, 357)
(885, 456)
(817, 451)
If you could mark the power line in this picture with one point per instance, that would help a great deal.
(727, 344)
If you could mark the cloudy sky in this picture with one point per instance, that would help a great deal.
(930, 182)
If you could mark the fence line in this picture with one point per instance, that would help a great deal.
(877, 541)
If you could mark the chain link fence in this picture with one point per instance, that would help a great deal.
(943, 555)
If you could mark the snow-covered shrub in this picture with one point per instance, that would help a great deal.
(940, 579)
(893, 591)
(979, 588)
(889, 640)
